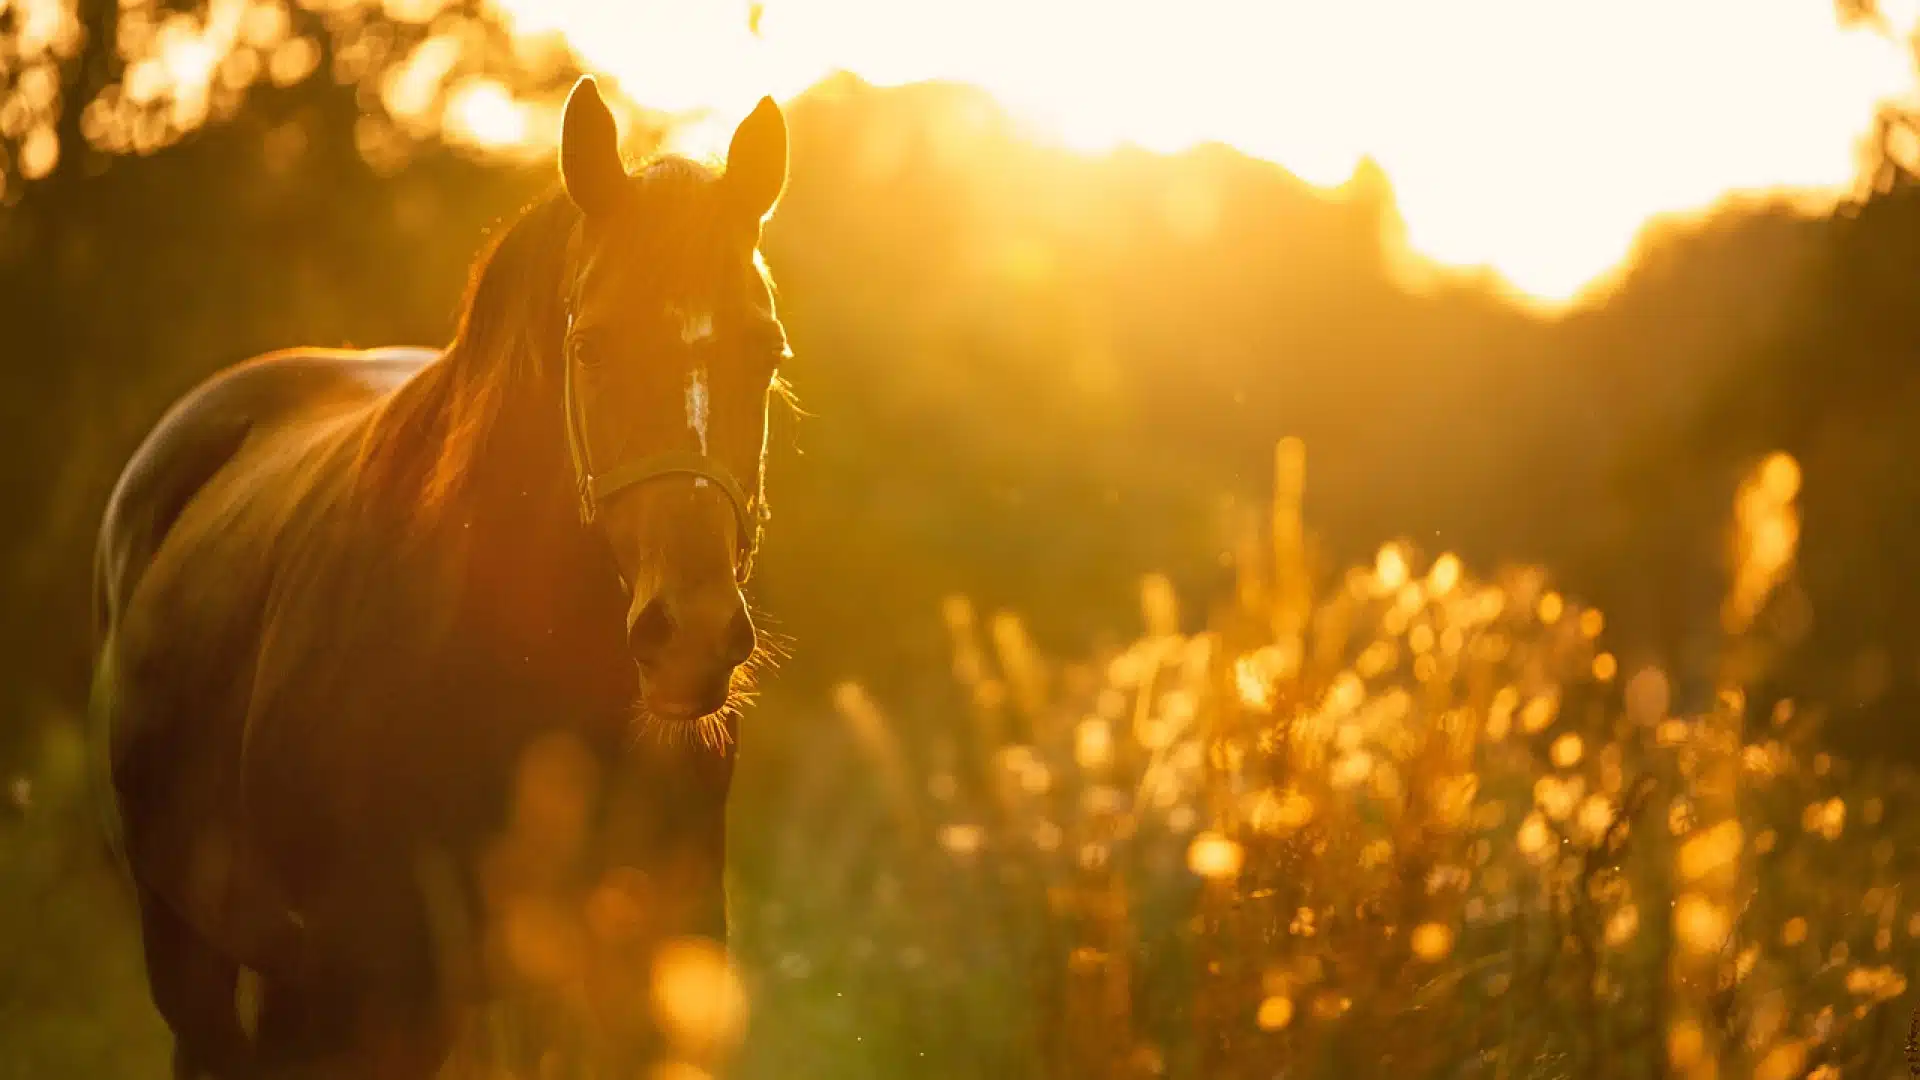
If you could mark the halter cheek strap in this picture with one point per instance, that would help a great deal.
(595, 488)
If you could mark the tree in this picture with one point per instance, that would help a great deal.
(82, 81)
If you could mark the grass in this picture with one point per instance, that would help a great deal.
(1411, 823)
(1397, 821)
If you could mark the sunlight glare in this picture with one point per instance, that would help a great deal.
(1536, 139)
(483, 111)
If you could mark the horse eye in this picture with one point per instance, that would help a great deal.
(586, 351)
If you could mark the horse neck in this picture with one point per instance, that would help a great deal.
(533, 569)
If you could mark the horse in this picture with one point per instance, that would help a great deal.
(377, 631)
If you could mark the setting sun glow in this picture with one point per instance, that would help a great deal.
(1532, 137)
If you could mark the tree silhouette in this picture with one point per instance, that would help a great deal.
(82, 81)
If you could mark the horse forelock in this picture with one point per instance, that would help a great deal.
(679, 229)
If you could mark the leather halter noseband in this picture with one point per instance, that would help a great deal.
(596, 488)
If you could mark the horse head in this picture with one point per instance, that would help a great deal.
(671, 358)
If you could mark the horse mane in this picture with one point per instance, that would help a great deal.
(427, 436)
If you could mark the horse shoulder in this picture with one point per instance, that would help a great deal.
(204, 433)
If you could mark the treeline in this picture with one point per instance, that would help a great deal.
(1032, 375)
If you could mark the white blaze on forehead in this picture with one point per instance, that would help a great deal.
(697, 407)
(695, 326)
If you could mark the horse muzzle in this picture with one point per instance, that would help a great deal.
(687, 644)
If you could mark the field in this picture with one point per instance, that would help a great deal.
(1394, 821)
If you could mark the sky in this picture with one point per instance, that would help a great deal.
(1535, 138)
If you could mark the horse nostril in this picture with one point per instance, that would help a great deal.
(649, 631)
(740, 638)
(716, 690)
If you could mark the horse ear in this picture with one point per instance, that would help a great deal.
(590, 164)
(757, 160)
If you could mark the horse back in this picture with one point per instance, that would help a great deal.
(205, 431)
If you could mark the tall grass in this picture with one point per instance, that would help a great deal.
(1398, 821)
(1393, 821)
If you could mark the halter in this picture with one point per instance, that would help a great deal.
(596, 488)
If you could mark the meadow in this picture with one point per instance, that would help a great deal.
(1391, 820)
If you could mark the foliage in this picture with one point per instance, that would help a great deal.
(73, 1001)
(82, 81)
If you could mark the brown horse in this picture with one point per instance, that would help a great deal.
(362, 616)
